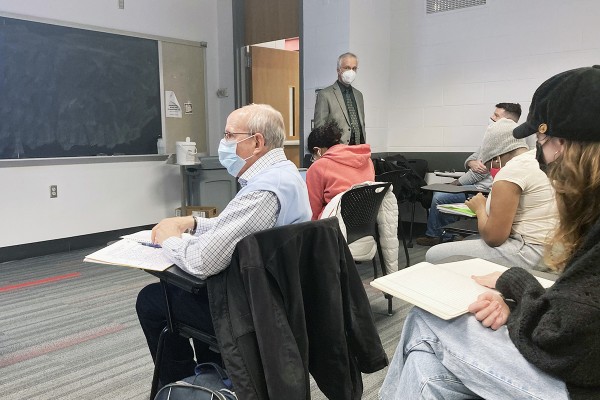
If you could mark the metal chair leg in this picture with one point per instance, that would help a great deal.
(401, 234)
(384, 272)
(158, 362)
(412, 221)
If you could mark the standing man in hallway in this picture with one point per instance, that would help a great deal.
(342, 103)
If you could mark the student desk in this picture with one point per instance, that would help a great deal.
(463, 227)
(448, 188)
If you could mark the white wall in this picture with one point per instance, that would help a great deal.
(326, 34)
(431, 81)
(99, 197)
(449, 69)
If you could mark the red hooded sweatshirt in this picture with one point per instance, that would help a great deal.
(336, 171)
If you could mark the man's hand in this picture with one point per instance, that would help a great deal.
(170, 227)
(476, 203)
(491, 310)
(477, 166)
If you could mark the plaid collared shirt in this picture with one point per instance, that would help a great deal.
(210, 250)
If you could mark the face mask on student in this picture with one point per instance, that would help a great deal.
(348, 76)
(539, 155)
(228, 156)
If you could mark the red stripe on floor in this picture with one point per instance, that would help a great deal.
(56, 345)
(39, 282)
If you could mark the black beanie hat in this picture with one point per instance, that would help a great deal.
(566, 106)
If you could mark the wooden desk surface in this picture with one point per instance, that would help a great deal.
(448, 188)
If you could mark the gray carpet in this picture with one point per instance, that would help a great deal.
(69, 329)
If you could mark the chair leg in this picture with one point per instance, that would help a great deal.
(389, 298)
(157, 362)
(384, 272)
(401, 234)
(412, 221)
(375, 274)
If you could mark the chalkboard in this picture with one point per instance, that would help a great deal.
(67, 92)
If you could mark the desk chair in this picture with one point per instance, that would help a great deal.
(190, 283)
(462, 227)
(359, 208)
(420, 166)
(292, 302)
(396, 178)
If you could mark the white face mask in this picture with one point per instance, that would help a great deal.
(348, 76)
(491, 122)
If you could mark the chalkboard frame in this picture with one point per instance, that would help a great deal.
(150, 152)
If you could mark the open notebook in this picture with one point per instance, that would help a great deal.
(445, 290)
(135, 251)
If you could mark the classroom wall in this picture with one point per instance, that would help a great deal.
(449, 69)
(430, 82)
(100, 197)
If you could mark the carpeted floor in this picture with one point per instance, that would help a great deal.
(69, 329)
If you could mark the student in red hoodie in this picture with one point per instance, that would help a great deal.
(336, 167)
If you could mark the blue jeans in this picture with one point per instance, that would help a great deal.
(437, 219)
(461, 359)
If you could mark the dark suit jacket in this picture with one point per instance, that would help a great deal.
(292, 302)
(330, 105)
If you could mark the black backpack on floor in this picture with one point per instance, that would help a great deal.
(209, 383)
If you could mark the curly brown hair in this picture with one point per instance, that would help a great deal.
(326, 135)
(576, 180)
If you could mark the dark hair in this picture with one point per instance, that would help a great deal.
(324, 136)
(512, 109)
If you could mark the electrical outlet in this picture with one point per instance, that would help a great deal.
(121, 4)
(53, 191)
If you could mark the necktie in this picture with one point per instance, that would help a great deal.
(353, 115)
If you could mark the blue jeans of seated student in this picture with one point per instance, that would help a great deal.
(436, 219)
(461, 359)
(178, 354)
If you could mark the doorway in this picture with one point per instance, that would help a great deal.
(267, 57)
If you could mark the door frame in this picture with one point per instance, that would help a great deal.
(241, 70)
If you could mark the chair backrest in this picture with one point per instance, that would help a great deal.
(359, 208)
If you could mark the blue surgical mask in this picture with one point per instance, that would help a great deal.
(228, 157)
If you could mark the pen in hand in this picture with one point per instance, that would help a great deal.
(155, 245)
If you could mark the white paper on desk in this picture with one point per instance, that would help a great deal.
(173, 108)
(445, 290)
(129, 253)
(140, 237)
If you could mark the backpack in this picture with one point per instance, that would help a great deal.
(411, 182)
(210, 382)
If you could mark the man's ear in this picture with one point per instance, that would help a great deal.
(260, 140)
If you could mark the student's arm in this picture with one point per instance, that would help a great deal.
(496, 227)
(316, 187)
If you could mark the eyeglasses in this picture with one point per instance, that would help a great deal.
(230, 136)
(348, 68)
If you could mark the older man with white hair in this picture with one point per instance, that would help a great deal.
(272, 194)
